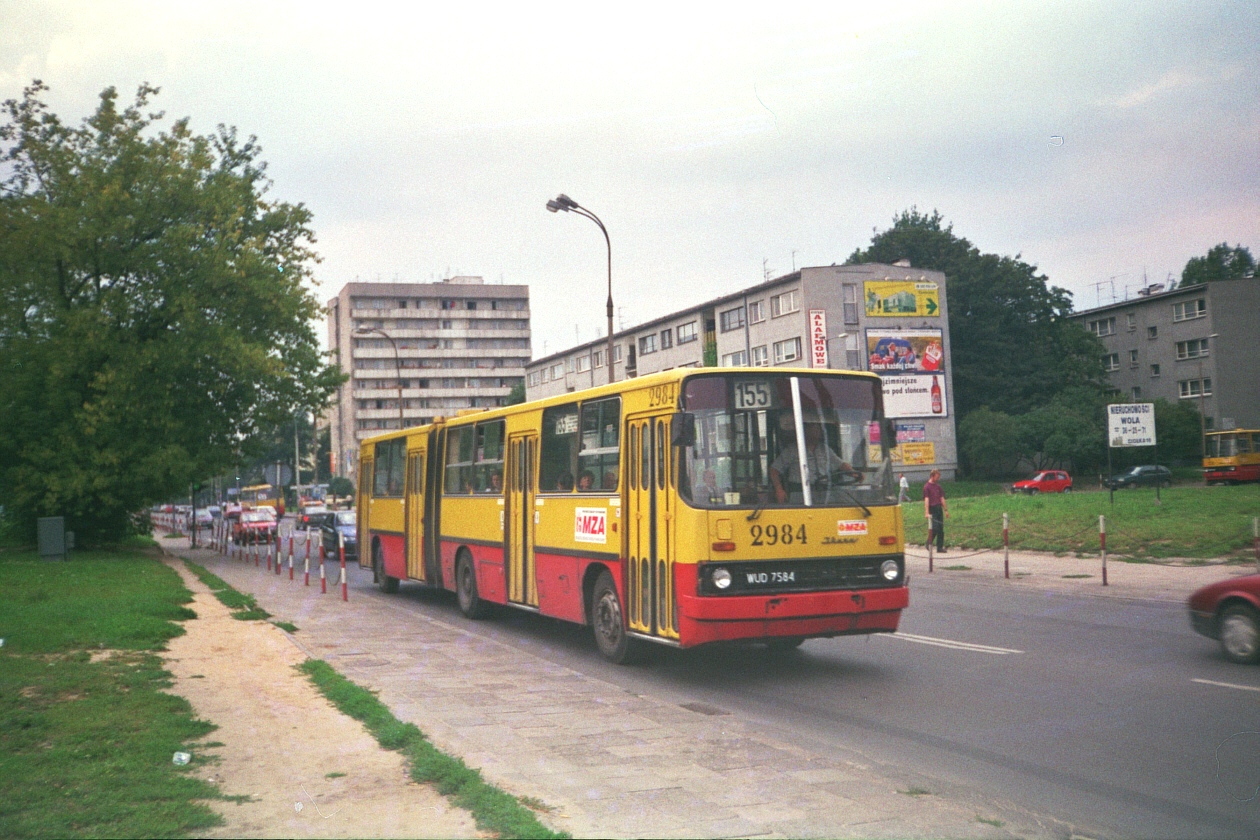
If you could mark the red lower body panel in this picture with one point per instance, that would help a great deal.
(835, 613)
(393, 554)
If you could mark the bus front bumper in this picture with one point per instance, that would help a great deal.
(799, 614)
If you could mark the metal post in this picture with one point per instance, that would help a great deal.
(1102, 539)
(290, 555)
(929, 546)
(323, 581)
(279, 549)
(1006, 544)
(341, 552)
(306, 564)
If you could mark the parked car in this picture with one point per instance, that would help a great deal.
(310, 516)
(1145, 476)
(340, 522)
(1047, 481)
(202, 518)
(254, 525)
(1229, 611)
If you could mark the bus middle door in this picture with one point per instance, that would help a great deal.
(518, 520)
(414, 494)
(650, 529)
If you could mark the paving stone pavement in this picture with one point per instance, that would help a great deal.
(608, 763)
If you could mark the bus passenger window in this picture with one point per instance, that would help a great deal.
(459, 456)
(559, 449)
(488, 472)
(600, 452)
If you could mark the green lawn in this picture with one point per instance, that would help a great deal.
(86, 747)
(1191, 521)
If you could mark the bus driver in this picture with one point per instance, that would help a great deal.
(821, 462)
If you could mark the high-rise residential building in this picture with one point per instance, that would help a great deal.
(889, 319)
(1195, 344)
(416, 351)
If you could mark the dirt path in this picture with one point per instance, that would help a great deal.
(308, 770)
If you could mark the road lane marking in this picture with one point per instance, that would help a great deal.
(1227, 685)
(950, 643)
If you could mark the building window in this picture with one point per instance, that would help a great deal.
(760, 356)
(1154, 370)
(647, 344)
(1152, 332)
(736, 359)
(732, 319)
(472, 304)
(850, 303)
(534, 378)
(1111, 361)
(448, 304)
(1131, 320)
(1194, 388)
(1209, 423)
(1103, 326)
(599, 358)
(1133, 358)
(784, 304)
(1193, 349)
(686, 332)
(616, 353)
(557, 371)
(756, 312)
(583, 364)
(1189, 310)
(1135, 392)
(667, 339)
(787, 351)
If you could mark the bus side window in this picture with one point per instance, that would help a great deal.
(459, 457)
(601, 447)
(559, 449)
(488, 473)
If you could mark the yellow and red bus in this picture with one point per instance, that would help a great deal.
(1232, 456)
(684, 507)
(259, 496)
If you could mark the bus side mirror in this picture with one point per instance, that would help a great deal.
(684, 429)
(889, 432)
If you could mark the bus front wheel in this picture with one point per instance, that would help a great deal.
(470, 604)
(608, 622)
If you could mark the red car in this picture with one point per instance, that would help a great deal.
(1048, 481)
(254, 525)
(1229, 611)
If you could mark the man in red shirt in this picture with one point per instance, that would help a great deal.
(935, 510)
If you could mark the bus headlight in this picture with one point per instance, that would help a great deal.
(888, 569)
(721, 578)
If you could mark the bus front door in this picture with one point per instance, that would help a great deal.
(518, 520)
(650, 529)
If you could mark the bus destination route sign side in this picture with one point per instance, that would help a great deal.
(1131, 424)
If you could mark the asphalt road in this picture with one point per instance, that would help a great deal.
(1105, 715)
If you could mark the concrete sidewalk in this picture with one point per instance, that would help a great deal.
(612, 764)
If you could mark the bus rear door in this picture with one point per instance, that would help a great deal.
(518, 519)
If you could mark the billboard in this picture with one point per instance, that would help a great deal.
(905, 351)
(818, 338)
(1131, 424)
(901, 298)
(914, 395)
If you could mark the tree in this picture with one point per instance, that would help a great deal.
(517, 395)
(1012, 346)
(154, 312)
(988, 443)
(1221, 263)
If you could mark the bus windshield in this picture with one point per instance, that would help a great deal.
(751, 428)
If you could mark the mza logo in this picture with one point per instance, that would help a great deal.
(590, 525)
(850, 526)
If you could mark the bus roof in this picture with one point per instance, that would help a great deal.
(647, 381)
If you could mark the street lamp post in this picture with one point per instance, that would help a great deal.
(563, 202)
(365, 331)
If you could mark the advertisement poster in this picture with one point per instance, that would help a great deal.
(911, 432)
(906, 454)
(905, 351)
(818, 338)
(915, 395)
(901, 298)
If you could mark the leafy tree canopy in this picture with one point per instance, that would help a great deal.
(1011, 344)
(1221, 263)
(154, 312)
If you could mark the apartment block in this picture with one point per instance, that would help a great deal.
(1199, 344)
(416, 351)
(890, 319)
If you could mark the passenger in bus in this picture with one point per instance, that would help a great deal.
(586, 480)
(496, 483)
(707, 492)
(564, 483)
(610, 480)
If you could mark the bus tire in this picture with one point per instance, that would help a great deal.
(1240, 634)
(387, 584)
(470, 604)
(784, 644)
(608, 622)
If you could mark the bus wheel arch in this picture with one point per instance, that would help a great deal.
(470, 603)
(387, 584)
(608, 622)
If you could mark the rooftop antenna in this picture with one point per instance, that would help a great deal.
(793, 260)
(1114, 278)
(621, 318)
(765, 269)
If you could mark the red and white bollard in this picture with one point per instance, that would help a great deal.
(279, 551)
(341, 551)
(1006, 544)
(290, 555)
(1102, 538)
(323, 581)
(306, 564)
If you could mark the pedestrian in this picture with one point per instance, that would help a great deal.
(280, 508)
(935, 510)
(904, 495)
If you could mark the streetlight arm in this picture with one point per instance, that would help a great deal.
(563, 202)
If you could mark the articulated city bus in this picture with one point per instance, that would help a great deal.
(685, 507)
(1231, 457)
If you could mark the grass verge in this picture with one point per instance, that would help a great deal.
(86, 732)
(1192, 522)
(243, 606)
(493, 809)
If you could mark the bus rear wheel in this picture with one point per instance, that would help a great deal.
(470, 604)
(608, 622)
(387, 584)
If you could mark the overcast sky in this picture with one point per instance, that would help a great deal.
(716, 141)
